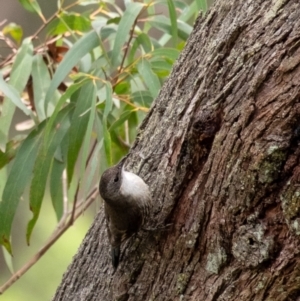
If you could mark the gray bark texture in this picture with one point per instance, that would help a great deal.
(220, 150)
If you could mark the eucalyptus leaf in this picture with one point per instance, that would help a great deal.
(41, 81)
(108, 100)
(173, 19)
(56, 187)
(43, 163)
(125, 25)
(18, 79)
(79, 123)
(150, 79)
(19, 176)
(107, 142)
(85, 44)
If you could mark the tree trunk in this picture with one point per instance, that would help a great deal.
(220, 152)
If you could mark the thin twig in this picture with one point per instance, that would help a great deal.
(93, 194)
(11, 45)
(127, 46)
(90, 154)
(10, 57)
(46, 22)
(78, 185)
(72, 219)
(128, 43)
(65, 192)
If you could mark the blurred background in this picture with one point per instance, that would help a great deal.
(41, 281)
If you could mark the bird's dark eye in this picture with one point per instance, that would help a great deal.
(116, 179)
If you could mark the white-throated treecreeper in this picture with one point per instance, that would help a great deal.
(126, 203)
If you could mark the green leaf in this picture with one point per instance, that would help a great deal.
(161, 68)
(141, 40)
(79, 125)
(88, 2)
(56, 187)
(122, 88)
(107, 142)
(43, 164)
(70, 91)
(19, 176)
(124, 116)
(68, 21)
(94, 163)
(125, 25)
(11, 93)
(14, 30)
(173, 19)
(87, 139)
(79, 49)
(9, 154)
(143, 98)
(133, 122)
(163, 23)
(8, 260)
(106, 32)
(165, 53)
(150, 78)
(202, 5)
(108, 101)
(18, 79)
(41, 82)
(115, 20)
(145, 42)
(32, 6)
(21, 68)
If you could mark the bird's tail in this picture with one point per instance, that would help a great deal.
(115, 256)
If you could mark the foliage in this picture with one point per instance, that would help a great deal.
(84, 89)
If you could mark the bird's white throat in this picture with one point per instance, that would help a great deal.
(132, 185)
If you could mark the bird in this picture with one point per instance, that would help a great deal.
(127, 202)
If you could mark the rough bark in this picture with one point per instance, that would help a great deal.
(220, 151)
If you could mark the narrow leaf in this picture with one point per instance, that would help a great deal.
(94, 163)
(68, 21)
(165, 53)
(43, 164)
(11, 93)
(70, 91)
(163, 23)
(161, 68)
(79, 125)
(108, 101)
(85, 44)
(202, 5)
(141, 40)
(173, 19)
(41, 81)
(150, 79)
(124, 116)
(9, 154)
(107, 142)
(14, 30)
(143, 98)
(125, 25)
(56, 187)
(33, 6)
(18, 79)
(18, 178)
(87, 137)
(8, 260)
